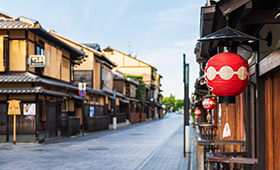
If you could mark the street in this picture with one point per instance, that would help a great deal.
(156, 144)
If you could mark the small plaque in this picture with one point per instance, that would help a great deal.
(37, 61)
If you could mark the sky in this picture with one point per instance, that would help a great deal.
(158, 31)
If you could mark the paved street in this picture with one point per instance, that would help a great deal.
(156, 144)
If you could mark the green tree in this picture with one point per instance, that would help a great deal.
(169, 102)
(179, 103)
(141, 89)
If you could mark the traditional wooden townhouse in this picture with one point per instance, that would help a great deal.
(132, 66)
(157, 95)
(127, 87)
(46, 93)
(96, 69)
(248, 28)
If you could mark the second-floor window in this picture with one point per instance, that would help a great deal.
(86, 74)
(40, 50)
(153, 74)
(102, 74)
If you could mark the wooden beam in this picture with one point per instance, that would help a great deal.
(269, 122)
(270, 62)
(231, 5)
(262, 17)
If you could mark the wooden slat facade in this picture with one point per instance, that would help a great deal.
(272, 89)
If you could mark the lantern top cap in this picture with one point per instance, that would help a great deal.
(209, 96)
(228, 33)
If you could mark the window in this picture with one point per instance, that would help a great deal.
(102, 74)
(65, 69)
(40, 50)
(87, 74)
(17, 55)
(153, 74)
(3, 115)
(2, 59)
(63, 104)
(72, 73)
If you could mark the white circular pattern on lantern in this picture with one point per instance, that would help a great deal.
(211, 73)
(242, 73)
(226, 73)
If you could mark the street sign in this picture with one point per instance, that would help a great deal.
(37, 61)
(82, 93)
(82, 86)
(14, 108)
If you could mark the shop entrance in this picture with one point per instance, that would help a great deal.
(51, 120)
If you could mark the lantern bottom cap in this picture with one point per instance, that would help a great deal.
(226, 99)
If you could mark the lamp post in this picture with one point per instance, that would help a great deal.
(186, 107)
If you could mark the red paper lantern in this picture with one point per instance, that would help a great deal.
(208, 103)
(197, 112)
(227, 74)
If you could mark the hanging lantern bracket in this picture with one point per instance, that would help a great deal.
(226, 99)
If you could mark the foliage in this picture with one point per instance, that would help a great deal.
(179, 103)
(169, 102)
(141, 89)
(172, 103)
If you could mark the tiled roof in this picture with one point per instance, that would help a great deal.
(14, 24)
(132, 99)
(23, 90)
(94, 91)
(35, 27)
(32, 78)
(31, 90)
(13, 78)
(21, 22)
(94, 46)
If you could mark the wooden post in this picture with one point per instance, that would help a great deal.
(200, 157)
(14, 109)
(15, 126)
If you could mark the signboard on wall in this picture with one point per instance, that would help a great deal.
(82, 86)
(91, 111)
(29, 110)
(37, 61)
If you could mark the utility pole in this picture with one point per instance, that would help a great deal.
(186, 107)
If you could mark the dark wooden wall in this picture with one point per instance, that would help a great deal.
(272, 116)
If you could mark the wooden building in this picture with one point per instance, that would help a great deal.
(255, 115)
(132, 66)
(47, 93)
(96, 69)
(127, 87)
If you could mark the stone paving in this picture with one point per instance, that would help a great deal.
(156, 144)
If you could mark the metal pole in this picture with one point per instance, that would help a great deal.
(14, 129)
(114, 110)
(83, 116)
(186, 107)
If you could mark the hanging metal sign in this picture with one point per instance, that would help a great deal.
(37, 61)
(82, 93)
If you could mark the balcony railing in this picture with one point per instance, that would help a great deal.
(209, 155)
